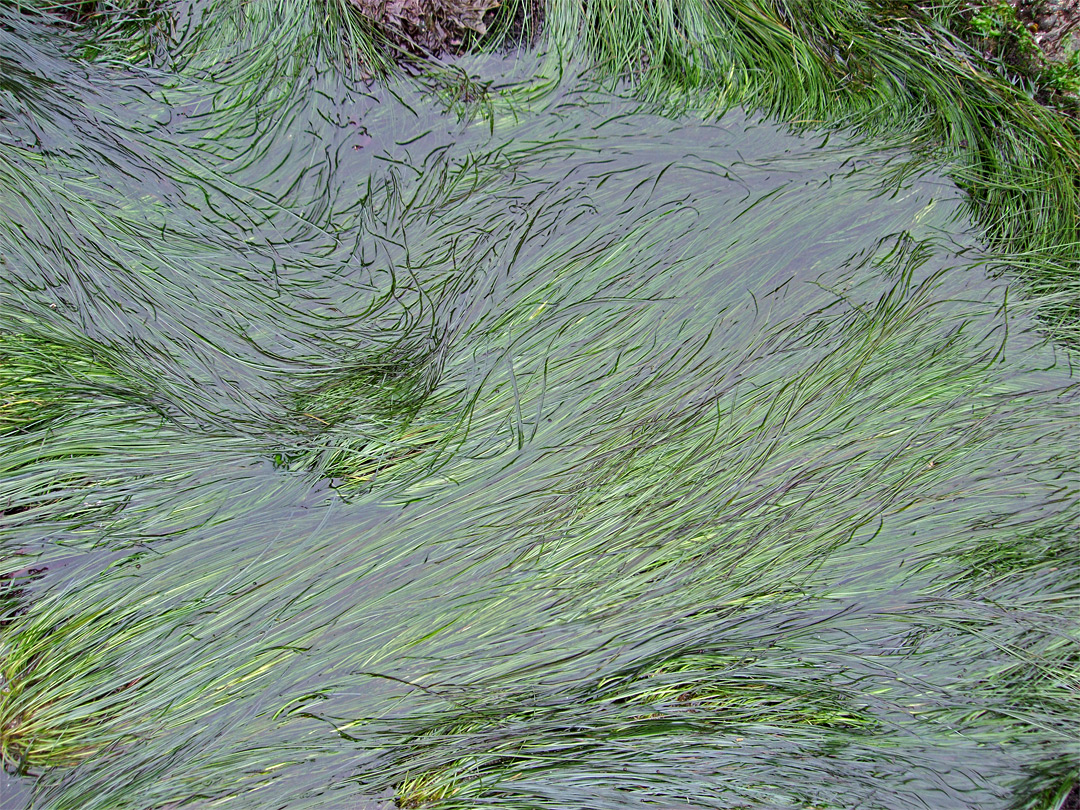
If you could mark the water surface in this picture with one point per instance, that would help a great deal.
(573, 455)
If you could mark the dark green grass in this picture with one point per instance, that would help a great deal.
(571, 455)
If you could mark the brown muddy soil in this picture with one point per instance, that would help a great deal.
(430, 26)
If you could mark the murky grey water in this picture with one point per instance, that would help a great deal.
(398, 445)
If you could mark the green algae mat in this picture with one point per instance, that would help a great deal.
(585, 426)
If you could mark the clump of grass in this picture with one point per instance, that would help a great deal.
(715, 689)
(367, 420)
(41, 380)
(131, 30)
(1061, 79)
(998, 32)
(57, 710)
(885, 68)
(427, 788)
(1055, 785)
(43, 383)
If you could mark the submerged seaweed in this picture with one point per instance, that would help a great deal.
(503, 436)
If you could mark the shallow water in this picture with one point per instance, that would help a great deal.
(574, 455)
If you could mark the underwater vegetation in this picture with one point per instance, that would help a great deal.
(666, 404)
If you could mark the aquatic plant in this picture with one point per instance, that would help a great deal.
(644, 419)
(887, 68)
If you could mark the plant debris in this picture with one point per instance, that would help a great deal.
(1055, 25)
(430, 26)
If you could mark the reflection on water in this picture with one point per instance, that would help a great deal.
(574, 456)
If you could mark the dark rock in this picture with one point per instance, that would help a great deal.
(430, 26)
